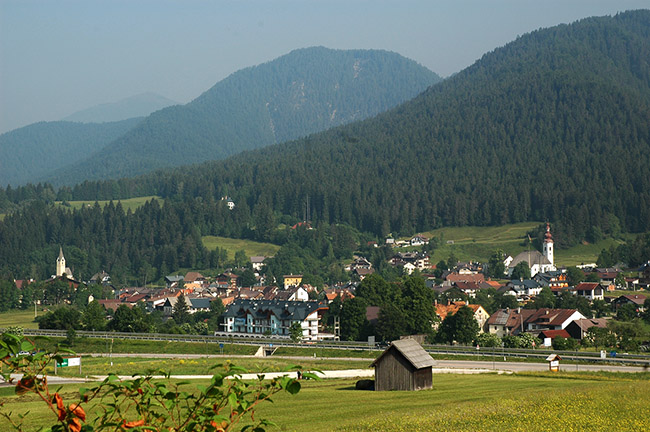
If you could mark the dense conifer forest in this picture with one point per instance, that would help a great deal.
(554, 126)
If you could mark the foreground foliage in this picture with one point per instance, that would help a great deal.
(145, 402)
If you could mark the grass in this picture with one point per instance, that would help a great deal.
(618, 293)
(488, 402)
(252, 248)
(478, 243)
(467, 403)
(99, 366)
(131, 203)
(22, 318)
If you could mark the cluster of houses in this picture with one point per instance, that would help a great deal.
(271, 309)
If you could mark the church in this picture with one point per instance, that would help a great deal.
(61, 269)
(537, 262)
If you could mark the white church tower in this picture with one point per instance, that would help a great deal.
(60, 263)
(547, 248)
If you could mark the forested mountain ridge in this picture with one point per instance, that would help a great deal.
(554, 126)
(305, 91)
(30, 153)
(140, 105)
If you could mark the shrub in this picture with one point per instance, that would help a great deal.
(141, 402)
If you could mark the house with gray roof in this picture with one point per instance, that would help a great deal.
(260, 317)
(404, 365)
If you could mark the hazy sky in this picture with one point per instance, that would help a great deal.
(58, 57)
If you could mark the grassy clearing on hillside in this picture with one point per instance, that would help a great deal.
(131, 203)
(252, 248)
(486, 402)
(22, 318)
(478, 243)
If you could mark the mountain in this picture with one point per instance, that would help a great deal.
(305, 91)
(31, 152)
(135, 106)
(553, 126)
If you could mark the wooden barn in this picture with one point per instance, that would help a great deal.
(405, 365)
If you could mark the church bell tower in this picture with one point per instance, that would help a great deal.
(60, 263)
(547, 248)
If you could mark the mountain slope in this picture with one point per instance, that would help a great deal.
(135, 106)
(553, 126)
(303, 92)
(31, 152)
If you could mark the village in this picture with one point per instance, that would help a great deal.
(296, 310)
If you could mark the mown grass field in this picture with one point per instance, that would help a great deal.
(478, 243)
(100, 366)
(490, 402)
(131, 203)
(252, 248)
(22, 318)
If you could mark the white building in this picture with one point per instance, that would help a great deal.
(260, 317)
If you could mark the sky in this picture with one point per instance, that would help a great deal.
(59, 57)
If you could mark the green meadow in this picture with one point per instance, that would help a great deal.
(252, 248)
(487, 402)
(478, 243)
(22, 318)
(131, 203)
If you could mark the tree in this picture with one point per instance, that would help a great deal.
(353, 319)
(391, 323)
(134, 320)
(466, 326)
(564, 344)
(574, 276)
(627, 312)
(601, 337)
(248, 278)
(488, 340)
(496, 266)
(241, 259)
(94, 316)
(545, 299)
(295, 331)
(61, 318)
(418, 306)
(181, 311)
(521, 271)
(646, 311)
(600, 307)
(460, 327)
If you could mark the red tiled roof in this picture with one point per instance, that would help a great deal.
(456, 277)
(587, 286)
(554, 333)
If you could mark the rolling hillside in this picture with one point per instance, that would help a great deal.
(29, 153)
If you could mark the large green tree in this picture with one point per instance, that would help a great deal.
(353, 319)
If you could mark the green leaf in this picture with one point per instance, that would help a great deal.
(293, 387)
(26, 346)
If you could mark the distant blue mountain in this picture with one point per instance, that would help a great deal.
(135, 106)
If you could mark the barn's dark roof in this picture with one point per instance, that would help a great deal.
(412, 351)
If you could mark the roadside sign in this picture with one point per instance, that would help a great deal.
(70, 361)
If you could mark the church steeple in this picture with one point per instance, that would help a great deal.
(547, 248)
(60, 263)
